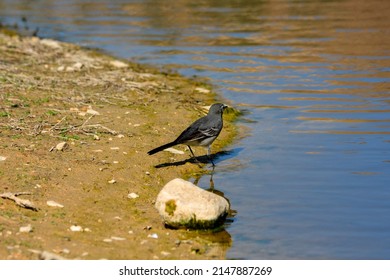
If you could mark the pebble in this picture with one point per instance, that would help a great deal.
(76, 228)
(116, 238)
(132, 195)
(61, 146)
(27, 228)
(113, 181)
(202, 90)
(92, 112)
(118, 64)
(51, 43)
(52, 203)
(2, 158)
(153, 235)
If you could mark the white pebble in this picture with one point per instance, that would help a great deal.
(61, 146)
(52, 203)
(153, 235)
(27, 228)
(117, 238)
(113, 181)
(76, 228)
(132, 195)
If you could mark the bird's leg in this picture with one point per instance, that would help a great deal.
(193, 155)
(210, 157)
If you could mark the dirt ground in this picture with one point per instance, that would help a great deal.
(94, 197)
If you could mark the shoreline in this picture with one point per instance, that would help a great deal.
(109, 112)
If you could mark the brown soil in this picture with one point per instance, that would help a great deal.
(110, 115)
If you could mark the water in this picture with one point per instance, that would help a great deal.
(311, 177)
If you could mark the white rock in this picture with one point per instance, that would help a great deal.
(113, 181)
(202, 90)
(52, 203)
(61, 146)
(78, 65)
(118, 64)
(132, 195)
(27, 228)
(2, 158)
(153, 235)
(51, 43)
(182, 204)
(116, 238)
(92, 111)
(76, 228)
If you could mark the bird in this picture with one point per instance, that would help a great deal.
(202, 132)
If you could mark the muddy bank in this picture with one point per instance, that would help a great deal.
(109, 113)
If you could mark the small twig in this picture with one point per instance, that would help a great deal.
(55, 126)
(86, 121)
(25, 203)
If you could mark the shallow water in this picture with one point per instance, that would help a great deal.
(311, 177)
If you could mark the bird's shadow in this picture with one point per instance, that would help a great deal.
(217, 157)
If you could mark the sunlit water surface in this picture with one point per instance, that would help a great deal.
(311, 177)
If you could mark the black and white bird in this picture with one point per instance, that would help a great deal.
(202, 132)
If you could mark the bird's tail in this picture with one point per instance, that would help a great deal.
(163, 147)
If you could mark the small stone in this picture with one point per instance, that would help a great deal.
(78, 65)
(76, 228)
(65, 251)
(27, 228)
(52, 203)
(92, 111)
(116, 238)
(61, 146)
(202, 90)
(108, 240)
(164, 253)
(51, 43)
(114, 148)
(2, 158)
(153, 235)
(113, 181)
(120, 136)
(118, 64)
(132, 195)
